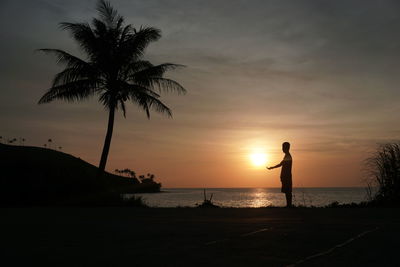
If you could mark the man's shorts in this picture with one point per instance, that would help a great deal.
(286, 185)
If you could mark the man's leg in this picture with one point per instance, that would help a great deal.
(288, 199)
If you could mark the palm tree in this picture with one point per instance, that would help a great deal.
(114, 69)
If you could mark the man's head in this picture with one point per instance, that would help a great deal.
(285, 147)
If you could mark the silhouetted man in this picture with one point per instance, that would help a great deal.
(286, 173)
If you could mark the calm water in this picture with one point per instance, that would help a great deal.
(254, 197)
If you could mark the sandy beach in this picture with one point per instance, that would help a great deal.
(199, 237)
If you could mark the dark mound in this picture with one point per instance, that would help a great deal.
(34, 175)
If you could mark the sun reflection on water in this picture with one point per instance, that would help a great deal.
(259, 198)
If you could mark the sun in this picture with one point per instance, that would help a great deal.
(258, 159)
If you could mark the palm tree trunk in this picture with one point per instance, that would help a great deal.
(107, 142)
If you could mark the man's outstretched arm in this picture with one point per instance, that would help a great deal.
(276, 166)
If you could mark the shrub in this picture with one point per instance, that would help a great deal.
(383, 169)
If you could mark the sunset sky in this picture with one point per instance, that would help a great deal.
(322, 75)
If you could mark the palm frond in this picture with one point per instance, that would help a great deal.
(125, 32)
(108, 99)
(127, 89)
(163, 85)
(133, 67)
(159, 106)
(122, 105)
(147, 102)
(83, 34)
(119, 23)
(156, 71)
(153, 77)
(65, 58)
(100, 29)
(69, 75)
(73, 91)
(108, 13)
(134, 45)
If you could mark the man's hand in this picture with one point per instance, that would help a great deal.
(269, 168)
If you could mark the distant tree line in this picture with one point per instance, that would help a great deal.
(149, 178)
(21, 141)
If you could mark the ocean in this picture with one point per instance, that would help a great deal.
(254, 197)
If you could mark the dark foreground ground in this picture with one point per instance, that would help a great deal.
(198, 237)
